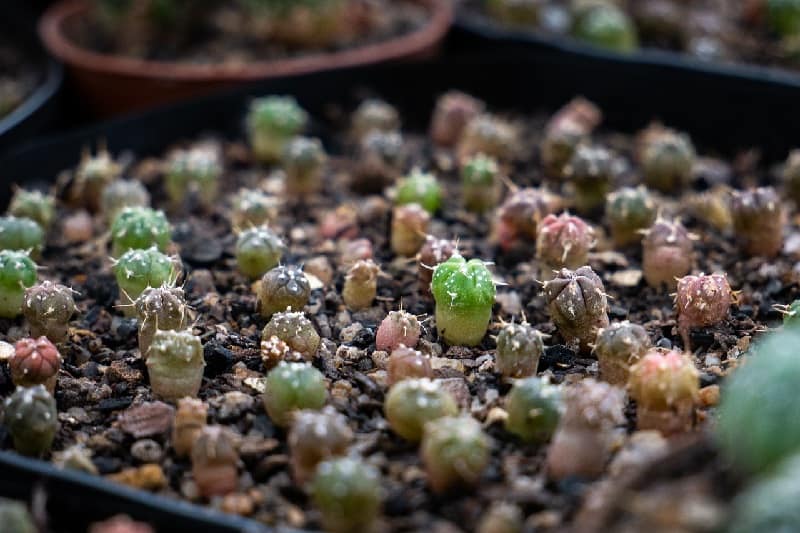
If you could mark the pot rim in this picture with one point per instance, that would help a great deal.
(58, 44)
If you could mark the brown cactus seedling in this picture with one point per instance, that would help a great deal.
(453, 111)
(578, 306)
(215, 462)
(360, 285)
(316, 436)
(618, 347)
(563, 241)
(700, 301)
(409, 227)
(433, 252)
(578, 111)
(489, 135)
(520, 215)
(406, 363)
(758, 219)
(35, 362)
(666, 253)
(190, 419)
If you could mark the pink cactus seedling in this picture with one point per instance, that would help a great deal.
(35, 362)
(405, 363)
(518, 218)
(564, 241)
(398, 328)
(701, 301)
(666, 253)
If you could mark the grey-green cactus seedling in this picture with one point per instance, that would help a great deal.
(32, 419)
(347, 493)
(464, 294)
(667, 160)
(120, 194)
(619, 346)
(15, 517)
(758, 219)
(282, 288)
(139, 228)
(175, 364)
(480, 177)
(411, 403)
(606, 25)
(769, 504)
(519, 348)
(193, 173)
(374, 115)
(534, 408)
(48, 308)
(257, 251)
(34, 205)
(17, 273)
(304, 164)
(272, 122)
(455, 451)
(629, 211)
(137, 270)
(295, 330)
(291, 387)
(592, 170)
(22, 234)
(253, 208)
(420, 188)
(316, 436)
(578, 306)
(159, 308)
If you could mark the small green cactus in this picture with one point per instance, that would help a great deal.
(139, 228)
(455, 451)
(120, 194)
(296, 331)
(360, 285)
(480, 177)
(347, 492)
(628, 212)
(159, 308)
(618, 347)
(398, 328)
(15, 517)
(666, 253)
(35, 205)
(48, 308)
(257, 251)
(519, 347)
(758, 220)
(420, 188)
(592, 170)
(770, 503)
(272, 122)
(253, 208)
(464, 294)
(32, 419)
(783, 17)
(193, 173)
(578, 306)
(374, 115)
(282, 288)
(516, 12)
(304, 163)
(35, 362)
(137, 270)
(607, 26)
(22, 234)
(667, 160)
(409, 228)
(534, 407)
(175, 364)
(316, 436)
(17, 273)
(291, 387)
(411, 403)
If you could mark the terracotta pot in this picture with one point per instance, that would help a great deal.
(113, 84)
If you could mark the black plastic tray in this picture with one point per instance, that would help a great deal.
(720, 116)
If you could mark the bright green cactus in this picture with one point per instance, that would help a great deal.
(257, 251)
(420, 188)
(22, 234)
(17, 273)
(138, 228)
(347, 492)
(464, 293)
(411, 403)
(784, 17)
(195, 172)
(771, 503)
(534, 408)
(272, 122)
(606, 26)
(175, 364)
(479, 181)
(137, 270)
(291, 387)
(35, 205)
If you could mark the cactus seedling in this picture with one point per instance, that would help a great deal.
(667, 159)
(607, 26)
(666, 253)
(411, 403)
(295, 330)
(272, 121)
(479, 183)
(407, 363)
(257, 251)
(304, 162)
(586, 433)
(291, 387)
(783, 17)
(35, 362)
(190, 419)
(409, 229)
(253, 208)
(193, 173)
(534, 408)
(665, 385)
(559, 144)
(92, 176)
(17, 273)
(39, 207)
(32, 419)
(282, 288)
(516, 12)
(791, 314)
(398, 328)
(379, 161)
(455, 451)
(464, 294)
(519, 217)
(519, 347)
(564, 241)
(453, 111)
(214, 462)
(433, 252)
(420, 188)
(360, 285)
(139, 228)
(137, 270)
(578, 306)
(592, 170)
(159, 308)
(48, 307)
(618, 347)
(15, 517)
(701, 301)
(316, 436)
(770, 503)
(628, 212)
(175, 364)
(754, 430)
(120, 194)
(347, 492)
(488, 135)
(758, 220)
(374, 115)
(22, 234)
(274, 350)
